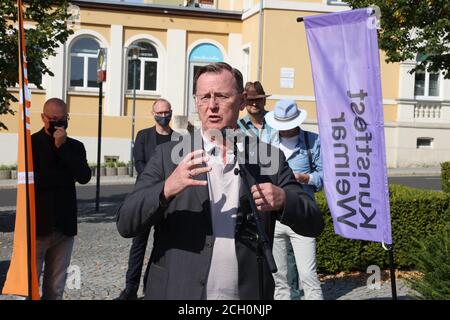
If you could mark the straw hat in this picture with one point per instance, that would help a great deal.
(286, 115)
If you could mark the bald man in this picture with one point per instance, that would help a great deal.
(59, 162)
(146, 142)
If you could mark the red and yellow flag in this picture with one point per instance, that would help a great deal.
(22, 275)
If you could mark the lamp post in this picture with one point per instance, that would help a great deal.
(101, 77)
(135, 52)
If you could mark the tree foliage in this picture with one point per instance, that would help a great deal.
(49, 29)
(411, 27)
(432, 259)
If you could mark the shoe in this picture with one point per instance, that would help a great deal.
(127, 294)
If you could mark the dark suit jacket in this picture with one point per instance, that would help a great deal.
(145, 146)
(184, 241)
(55, 173)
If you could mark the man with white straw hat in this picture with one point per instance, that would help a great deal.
(302, 151)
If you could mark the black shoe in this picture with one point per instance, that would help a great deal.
(127, 294)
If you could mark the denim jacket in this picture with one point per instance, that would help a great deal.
(299, 162)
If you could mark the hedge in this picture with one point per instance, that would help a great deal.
(445, 176)
(414, 213)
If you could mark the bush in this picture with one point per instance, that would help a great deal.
(445, 176)
(414, 213)
(110, 164)
(431, 256)
(5, 167)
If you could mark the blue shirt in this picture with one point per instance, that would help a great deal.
(265, 134)
(299, 161)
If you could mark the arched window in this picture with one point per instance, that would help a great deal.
(143, 68)
(83, 63)
(426, 83)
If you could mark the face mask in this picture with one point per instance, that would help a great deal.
(53, 124)
(163, 121)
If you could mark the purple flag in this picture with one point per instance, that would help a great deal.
(344, 55)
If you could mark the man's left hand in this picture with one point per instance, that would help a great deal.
(60, 136)
(268, 197)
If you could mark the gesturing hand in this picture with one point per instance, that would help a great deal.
(268, 197)
(183, 176)
(60, 136)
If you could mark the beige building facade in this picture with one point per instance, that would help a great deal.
(260, 38)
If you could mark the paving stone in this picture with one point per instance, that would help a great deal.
(102, 257)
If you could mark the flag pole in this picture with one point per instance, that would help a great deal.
(390, 250)
(24, 119)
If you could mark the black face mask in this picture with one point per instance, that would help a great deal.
(53, 124)
(163, 121)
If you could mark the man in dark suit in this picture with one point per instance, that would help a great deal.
(59, 162)
(204, 245)
(144, 149)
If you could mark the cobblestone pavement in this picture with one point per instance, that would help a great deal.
(101, 255)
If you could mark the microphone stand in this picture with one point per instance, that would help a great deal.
(263, 248)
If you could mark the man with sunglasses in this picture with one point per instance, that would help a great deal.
(59, 162)
(146, 142)
(254, 123)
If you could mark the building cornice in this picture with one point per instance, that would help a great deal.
(418, 125)
(158, 9)
(295, 6)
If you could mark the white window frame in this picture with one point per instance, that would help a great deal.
(140, 90)
(85, 57)
(426, 88)
(79, 34)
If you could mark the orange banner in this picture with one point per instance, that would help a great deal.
(22, 275)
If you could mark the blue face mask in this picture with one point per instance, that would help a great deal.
(163, 121)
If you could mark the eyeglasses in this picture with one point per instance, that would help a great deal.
(163, 114)
(220, 98)
(55, 119)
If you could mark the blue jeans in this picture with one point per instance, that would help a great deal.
(53, 250)
(292, 273)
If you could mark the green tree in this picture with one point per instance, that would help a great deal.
(50, 29)
(411, 27)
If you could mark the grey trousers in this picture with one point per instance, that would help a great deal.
(53, 254)
(305, 257)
